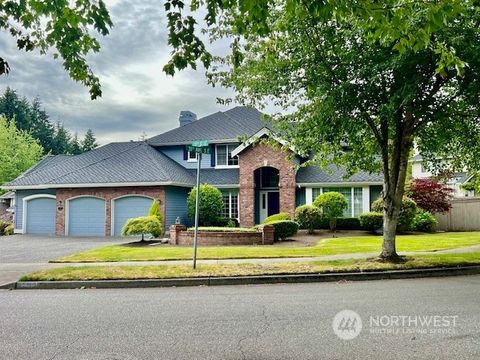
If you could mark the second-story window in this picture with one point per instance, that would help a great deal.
(192, 156)
(224, 155)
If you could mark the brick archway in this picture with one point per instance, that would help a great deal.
(255, 157)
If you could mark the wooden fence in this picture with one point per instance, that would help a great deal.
(464, 215)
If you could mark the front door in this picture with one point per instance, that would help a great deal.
(269, 204)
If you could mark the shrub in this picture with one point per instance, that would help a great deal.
(277, 217)
(407, 212)
(223, 229)
(308, 217)
(344, 223)
(142, 225)
(332, 204)
(424, 221)
(9, 230)
(284, 229)
(371, 221)
(431, 195)
(210, 205)
(226, 222)
(155, 210)
(6, 228)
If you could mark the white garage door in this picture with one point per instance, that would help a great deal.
(86, 217)
(129, 207)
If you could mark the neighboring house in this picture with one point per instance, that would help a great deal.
(420, 170)
(94, 193)
(7, 202)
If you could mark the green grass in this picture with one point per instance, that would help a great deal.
(330, 246)
(166, 271)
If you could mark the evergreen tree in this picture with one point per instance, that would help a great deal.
(74, 146)
(13, 107)
(89, 142)
(41, 127)
(61, 140)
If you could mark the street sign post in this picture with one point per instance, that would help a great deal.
(200, 147)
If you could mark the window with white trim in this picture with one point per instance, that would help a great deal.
(230, 205)
(224, 155)
(192, 156)
(354, 198)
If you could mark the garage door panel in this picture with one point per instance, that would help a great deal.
(129, 207)
(86, 217)
(41, 216)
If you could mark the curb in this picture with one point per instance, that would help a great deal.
(246, 280)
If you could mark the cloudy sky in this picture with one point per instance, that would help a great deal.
(137, 96)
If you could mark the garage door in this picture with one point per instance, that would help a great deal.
(86, 217)
(41, 216)
(129, 207)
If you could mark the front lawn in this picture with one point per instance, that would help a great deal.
(117, 272)
(330, 246)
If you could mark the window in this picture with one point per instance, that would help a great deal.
(192, 156)
(224, 155)
(354, 198)
(269, 177)
(230, 205)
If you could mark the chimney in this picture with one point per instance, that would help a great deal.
(186, 117)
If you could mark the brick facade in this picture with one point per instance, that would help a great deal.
(255, 157)
(108, 194)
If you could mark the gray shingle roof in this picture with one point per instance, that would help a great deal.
(115, 163)
(218, 176)
(315, 175)
(228, 125)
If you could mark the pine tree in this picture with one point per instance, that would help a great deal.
(89, 142)
(41, 127)
(61, 140)
(74, 146)
(12, 107)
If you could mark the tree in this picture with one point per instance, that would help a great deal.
(74, 146)
(61, 140)
(430, 195)
(18, 151)
(143, 225)
(66, 27)
(377, 76)
(14, 107)
(210, 204)
(308, 217)
(89, 142)
(155, 210)
(41, 128)
(332, 204)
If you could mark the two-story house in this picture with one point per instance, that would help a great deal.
(94, 193)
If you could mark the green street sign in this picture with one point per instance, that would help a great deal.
(199, 146)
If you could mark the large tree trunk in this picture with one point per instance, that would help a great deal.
(395, 172)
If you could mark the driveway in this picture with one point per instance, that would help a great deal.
(20, 254)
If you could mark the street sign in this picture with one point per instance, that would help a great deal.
(199, 147)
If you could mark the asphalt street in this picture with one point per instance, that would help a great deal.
(246, 322)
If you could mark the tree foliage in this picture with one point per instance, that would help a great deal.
(66, 27)
(406, 214)
(155, 210)
(210, 205)
(431, 195)
(308, 217)
(143, 225)
(31, 117)
(18, 151)
(377, 76)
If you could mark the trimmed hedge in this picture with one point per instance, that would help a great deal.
(222, 229)
(284, 229)
(424, 221)
(210, 205)
(277, 217)
(308, 217)
(371, 221)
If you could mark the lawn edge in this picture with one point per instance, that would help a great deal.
(249, 280)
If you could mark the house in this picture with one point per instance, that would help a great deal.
(94, 193)
(420, 170)
(7, 201)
